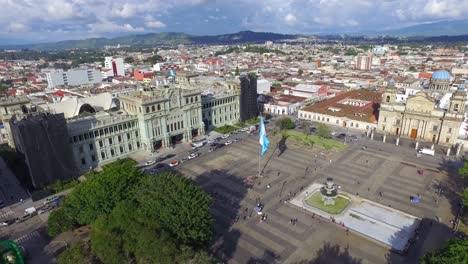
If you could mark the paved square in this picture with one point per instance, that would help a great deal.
(241, 238)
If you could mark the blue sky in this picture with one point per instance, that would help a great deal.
(52, 20)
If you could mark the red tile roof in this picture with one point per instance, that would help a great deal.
(368, 113)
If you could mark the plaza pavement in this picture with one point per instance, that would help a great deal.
(377, 168)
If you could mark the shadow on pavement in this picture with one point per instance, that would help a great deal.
(227, 191)
(268, 257)
(430, 235)
(331, 254)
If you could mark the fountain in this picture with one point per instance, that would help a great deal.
(329, 192)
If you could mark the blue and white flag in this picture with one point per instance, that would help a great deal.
(264, 142)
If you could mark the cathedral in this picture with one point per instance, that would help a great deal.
(423, 117)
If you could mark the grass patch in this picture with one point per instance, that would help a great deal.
(315, 200)
(252, 121)
(312, 140)
(225, 129)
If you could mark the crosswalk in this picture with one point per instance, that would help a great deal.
(27, 237)
(5, 214)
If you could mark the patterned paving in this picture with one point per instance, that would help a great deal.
(364, 171)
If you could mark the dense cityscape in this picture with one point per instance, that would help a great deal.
(238, 148)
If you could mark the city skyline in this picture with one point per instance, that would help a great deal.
(49, 21)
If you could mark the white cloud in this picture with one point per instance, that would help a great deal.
(290, 19)
(18, 27)
(155, 24)
(107, 26)
(124, 11)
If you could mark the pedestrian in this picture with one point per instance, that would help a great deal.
(368, 189)
(419, 196)
(381, 194)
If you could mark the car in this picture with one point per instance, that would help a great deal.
(24, 218)
(211, 141)
(213, 144)
(340, 136)
(8, 222)
(353, 137)
(174, 163)
(229, 142)
(237, 139)
(225, 136)
(212, 149)
(159, 166)
(192, 156)
(45, 209)
(184, 160)
(50, 200)
(150, 162)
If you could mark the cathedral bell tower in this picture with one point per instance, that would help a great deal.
(389, 96)
(457, 101)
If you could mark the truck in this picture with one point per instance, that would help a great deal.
(426, 151)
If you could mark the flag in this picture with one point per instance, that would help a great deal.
(263, 138)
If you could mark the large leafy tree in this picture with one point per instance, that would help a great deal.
(463, 171)
(78, 253)
(323, 131)
(285, 123)
(96, 196)
(455, 252)
(180, 206)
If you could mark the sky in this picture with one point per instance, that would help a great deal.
(34, 21)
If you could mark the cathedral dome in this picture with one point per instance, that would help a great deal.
(441, 75)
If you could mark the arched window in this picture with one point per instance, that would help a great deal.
(387, 100)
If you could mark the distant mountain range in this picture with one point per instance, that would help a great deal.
(154, 39)
(443, 31)
(440, 28)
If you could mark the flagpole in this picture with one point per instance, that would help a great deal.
(259, 156)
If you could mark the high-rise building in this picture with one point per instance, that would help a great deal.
(248, 97)
(73, 77)
(116, 65)
(363, 62)
(42, 139)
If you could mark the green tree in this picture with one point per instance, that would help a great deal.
(412, 69)
(455, 252)
(323, 131)
(97, 195)
(285, 123)
(300, 72)
(60, 221)
(154, 59)
(237, 71)
(180, 206)
(276, 84)
(463, 171)
(77, 253)
(129, 60)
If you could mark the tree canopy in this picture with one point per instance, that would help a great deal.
(463, 171)
(455, 252)
(323, 131)
(285, 123)
(138, 218)
(129, 60)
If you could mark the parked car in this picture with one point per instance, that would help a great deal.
(192, 156)
(174, 163)
(229, 142)
(150, 162)
(51, 200)
(8, 222)
(45, 209)
(24, 218)
(211, 149)
(159, 165)
(211, 141)
(225, 136)
(237, 139)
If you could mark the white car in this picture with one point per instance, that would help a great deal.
(174, 163)
(225, 136)
(150, 162)
(229, 142)
(192, 156)
(211, 141)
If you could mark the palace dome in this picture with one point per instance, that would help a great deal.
(441, 75)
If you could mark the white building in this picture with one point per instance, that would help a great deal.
(73, 77)
(116, 65)
(263, 86)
